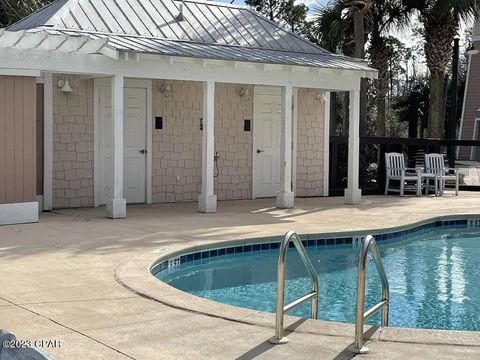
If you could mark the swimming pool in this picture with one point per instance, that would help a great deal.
(432, 270)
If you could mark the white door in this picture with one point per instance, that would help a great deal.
(266, 141)
(135, 144)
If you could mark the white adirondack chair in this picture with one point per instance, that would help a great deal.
(396, 170)
(435, 164)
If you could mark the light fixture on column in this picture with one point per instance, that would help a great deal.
(64, 85)
(320, 96)
(245, 93)
(166, 90)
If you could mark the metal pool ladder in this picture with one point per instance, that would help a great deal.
(279, 337)
(368, 243)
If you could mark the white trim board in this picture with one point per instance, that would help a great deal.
(294, 139)
(47, 142)
(475, 129)
(462, 118)
(129, 83)
(326, 145)
(19, 213)
(20, 72)
(162, 67)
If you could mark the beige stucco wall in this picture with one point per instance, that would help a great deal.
(177, 147)
(310, 140)
(73, 144)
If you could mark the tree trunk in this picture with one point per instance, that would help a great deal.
(380, 57)
(363, 106)
(435, 106)
(381, 110)
(346, 113)
(333, 113)
(360, 53)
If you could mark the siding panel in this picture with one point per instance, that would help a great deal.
(39, 144)
(17, 138)
(10, 140)
(472, 104)
(29, 139)
(2, 140)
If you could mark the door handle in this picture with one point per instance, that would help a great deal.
(143, 151)
(259, 151)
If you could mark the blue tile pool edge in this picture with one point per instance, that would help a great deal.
(172, 261)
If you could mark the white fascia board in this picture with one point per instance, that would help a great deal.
(243, 74)
(261, 66)
(157, 67)
(18, 213)
(57, 62)
(20, 72)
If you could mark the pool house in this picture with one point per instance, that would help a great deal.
(102, 104)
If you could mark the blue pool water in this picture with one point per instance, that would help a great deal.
(433, 275)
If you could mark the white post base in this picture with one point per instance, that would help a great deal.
(285, 199)
(116, 208)
(207, 203)
(353, 196)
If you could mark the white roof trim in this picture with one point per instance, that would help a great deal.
(20, 72)
(55, 42)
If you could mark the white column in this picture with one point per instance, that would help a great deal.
(326, 145)
(117, 206)
(47, 141)
(353, 195)
(207, 200)
(285, 197)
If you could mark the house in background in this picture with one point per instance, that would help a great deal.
(107, 102)
(470, 121)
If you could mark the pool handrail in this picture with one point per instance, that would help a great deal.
(369, 244)
(292, 236)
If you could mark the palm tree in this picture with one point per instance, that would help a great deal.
(441, 19)
(336, 35)
(340, 27)
(363, 17)
(357, 10)
(332, 32)
(382, 15)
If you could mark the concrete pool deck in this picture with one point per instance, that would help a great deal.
(57, 280)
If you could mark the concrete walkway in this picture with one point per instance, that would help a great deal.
(57, 279)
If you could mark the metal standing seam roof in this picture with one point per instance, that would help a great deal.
(151, 45)
(208, 30)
